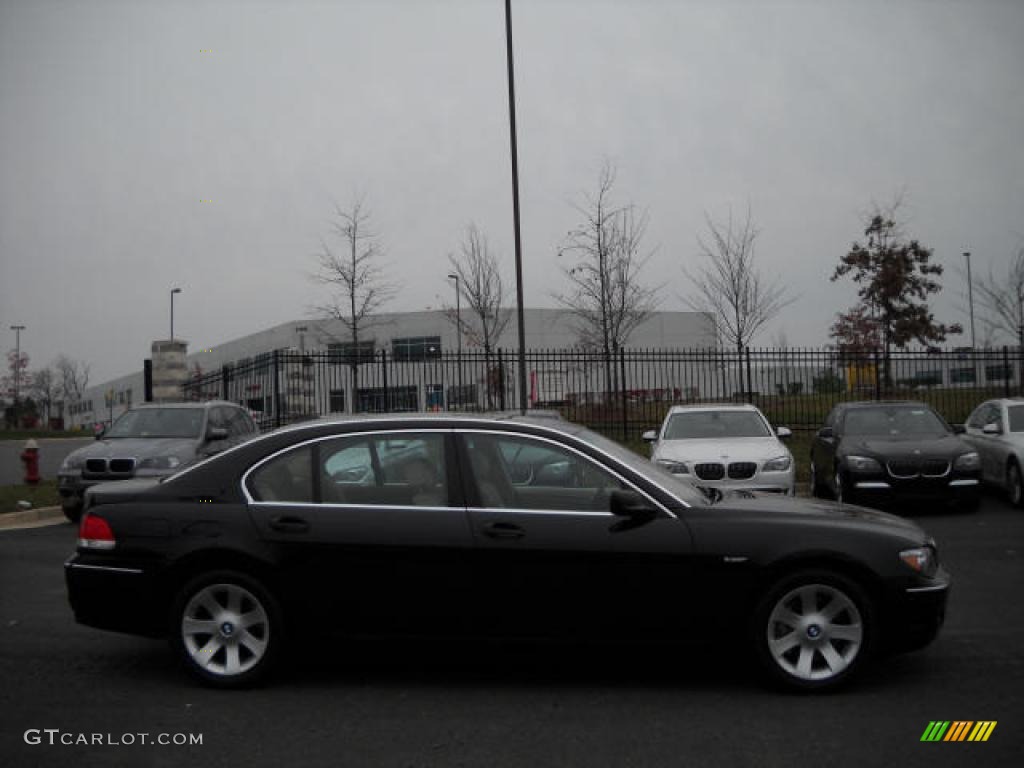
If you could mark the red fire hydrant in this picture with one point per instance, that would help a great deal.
(30, 458)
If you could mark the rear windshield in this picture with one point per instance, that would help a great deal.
(894, 422)
(158, 422)
(715, 424)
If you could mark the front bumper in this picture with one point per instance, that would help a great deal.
(884, 488)
(769, 482)
(915, 615)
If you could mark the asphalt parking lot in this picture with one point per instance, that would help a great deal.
(476, 703)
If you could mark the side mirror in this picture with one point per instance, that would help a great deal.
(650, 436)
(783, 432)
(826, 433)
(992, 429)
(630, 504)
(959, 429)
(216, 433)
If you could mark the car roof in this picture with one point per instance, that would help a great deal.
(884, 404)
(546, 419)
(203, 404)
(714, 407)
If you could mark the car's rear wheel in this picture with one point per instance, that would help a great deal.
(226, 627)
(1014, 487)
(813, 630)
(817, 487)
(72, 509)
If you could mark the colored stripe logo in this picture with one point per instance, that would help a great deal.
(959, 730)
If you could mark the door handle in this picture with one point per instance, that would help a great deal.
(503, 531)
(289, 524)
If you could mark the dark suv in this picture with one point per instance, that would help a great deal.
(152, 441)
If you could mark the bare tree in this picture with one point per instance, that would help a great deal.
(353, 272)
(729, 285)
(45, 387)
(1001, 298)
(481, 287)
(72, 379)
(606, 294)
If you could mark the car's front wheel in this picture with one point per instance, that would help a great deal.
(1014, 486)
(813, 630)
(226, 627)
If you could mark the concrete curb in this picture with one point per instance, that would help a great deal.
(32, 518)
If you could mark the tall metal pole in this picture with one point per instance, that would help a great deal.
(515, 206)
(17, 364)
(458, 329)
(173, 291)
(970, 295)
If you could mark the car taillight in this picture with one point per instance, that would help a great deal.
(95, 533)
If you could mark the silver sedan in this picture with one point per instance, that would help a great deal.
(996, 431)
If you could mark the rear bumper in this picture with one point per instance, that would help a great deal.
(113, 596)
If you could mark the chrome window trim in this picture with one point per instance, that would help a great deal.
(527, 511)
(455, 429)
(333, 505)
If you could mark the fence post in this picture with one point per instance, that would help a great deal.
(878, 380)
(622, 389)
(276, 388)
(1006, 371)
(384, 376)
(225, 378)
(750, 381)
(501, 381)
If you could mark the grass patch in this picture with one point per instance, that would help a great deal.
(42, 495)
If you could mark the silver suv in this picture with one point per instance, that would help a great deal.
(152, 441)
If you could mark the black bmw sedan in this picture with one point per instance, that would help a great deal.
(880, 453)
(510, 526)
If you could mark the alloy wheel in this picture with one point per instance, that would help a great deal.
(815, 633)
(225, 630)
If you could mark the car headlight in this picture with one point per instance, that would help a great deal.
(675, 467)
(160, 462)
(778, 464)
(862, 464)
(71, 463)
(968, 461)
(922, 560)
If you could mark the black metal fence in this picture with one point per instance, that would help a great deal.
(620, 395)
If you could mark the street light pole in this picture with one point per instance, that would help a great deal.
(173, 291)
(17, 364)
(458, 330)
(515, 206)
(970, 294)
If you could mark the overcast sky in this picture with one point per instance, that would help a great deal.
(118, 119)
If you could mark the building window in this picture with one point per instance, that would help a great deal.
(961, 375)
(346, 353)
(380, 400)
(998, 373)
(337, 401)
(416, 348)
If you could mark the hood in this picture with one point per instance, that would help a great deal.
(721, 450)
(137, 448)
(770, 504)
(911, 446)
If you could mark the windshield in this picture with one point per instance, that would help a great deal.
(662, 477)
(715, 424)
(894, 422)
(158, 422)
